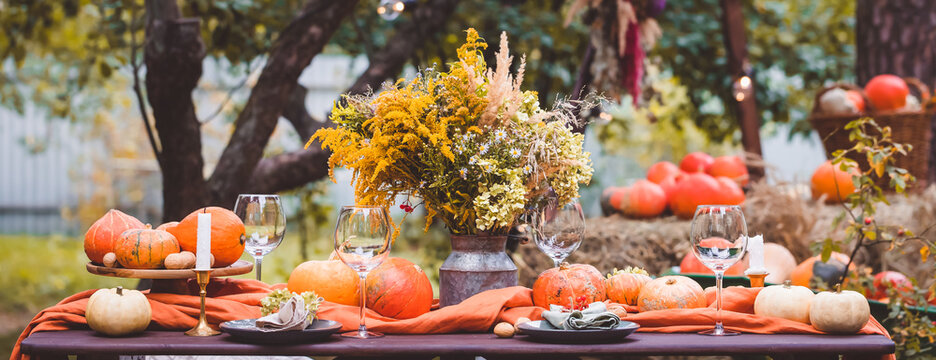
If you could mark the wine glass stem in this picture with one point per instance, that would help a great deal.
(557, 262)
(362, 330)
(719, 275)
(258, 262)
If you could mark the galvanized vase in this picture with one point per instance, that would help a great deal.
(477, 263)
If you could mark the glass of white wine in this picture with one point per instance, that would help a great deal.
(264, 224)
(719, 238)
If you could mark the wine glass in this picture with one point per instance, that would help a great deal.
(559, 230)
(362, 241)
(264, 224)
(719, 238)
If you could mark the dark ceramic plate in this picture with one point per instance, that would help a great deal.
(247, 331)
(542, 330)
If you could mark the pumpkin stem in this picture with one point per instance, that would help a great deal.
(564, 266)
(787, 283)
(119, 290)
(838, 288)
(670, 281)
(148, 227)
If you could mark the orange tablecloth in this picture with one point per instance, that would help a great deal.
(231, 299)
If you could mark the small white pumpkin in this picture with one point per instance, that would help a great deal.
(118, 311)
(784, 301)
(840, 312)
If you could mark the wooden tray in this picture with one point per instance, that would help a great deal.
(169, 281)
(239, 267)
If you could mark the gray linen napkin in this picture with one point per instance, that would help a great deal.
(595, 316)
(292, 315)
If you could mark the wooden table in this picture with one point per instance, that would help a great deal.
(56, 344)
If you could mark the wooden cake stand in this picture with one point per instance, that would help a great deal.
(170, 281)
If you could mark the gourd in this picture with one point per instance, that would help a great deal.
(118, 311)
(643, 199)
(671, 292)
(831, 181)
(182, 260)
(331, 279)
(227, 234)
(568, 285)
(103, 234)
(623, 286)
(779, 263)
(841, 312)
(661, 171)
(167, 226)
(145, 248)
(399, 289)
(784, 301)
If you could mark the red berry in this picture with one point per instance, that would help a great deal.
(868, 220)
(901, 232)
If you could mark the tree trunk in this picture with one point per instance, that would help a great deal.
(733, 31)
(173, 55)
(898, 37)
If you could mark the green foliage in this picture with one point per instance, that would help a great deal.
(795, 47)
(912, 330)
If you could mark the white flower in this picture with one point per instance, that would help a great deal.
(527, 169)
(463, 173)
(515, 153)
(500, 134)
(483, 149)
(473, 160)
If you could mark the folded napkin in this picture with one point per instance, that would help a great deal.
(292, 315)
(595, 316)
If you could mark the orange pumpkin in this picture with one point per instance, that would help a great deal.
(729, 192)
(103, 234)
(330, 279)
(830, 272)
(623, 286)
(606, 208)
(398, 289)
(227, 234)
(644, 199)
(887, 92)
(167, 226)
(731, 167)
(671, 292)
(145, 248)
(567, 284)
(831, 181)
(661, 171)
(696, 162)
(693, 190)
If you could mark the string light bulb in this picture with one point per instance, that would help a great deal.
(742, 88)
(390, 9)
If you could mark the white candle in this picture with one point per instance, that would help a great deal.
(755, 247)
(203, 247)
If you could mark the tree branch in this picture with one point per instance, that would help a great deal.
(387, 63)
(298, 115)
(294, 49)
(289, 170)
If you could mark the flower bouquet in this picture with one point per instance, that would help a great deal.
(476, 149)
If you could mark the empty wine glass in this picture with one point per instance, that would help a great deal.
(362, 241)
(719, 238)
(264, 224)
(559, 230)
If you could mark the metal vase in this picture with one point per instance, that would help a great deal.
(477, 263)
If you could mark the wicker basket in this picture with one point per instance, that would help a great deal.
(906, 127)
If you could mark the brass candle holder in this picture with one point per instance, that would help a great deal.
(757, 280)
(202, 328)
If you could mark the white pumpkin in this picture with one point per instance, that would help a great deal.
(118, 311)
(779, 263)
(840, 312)
(784, 301)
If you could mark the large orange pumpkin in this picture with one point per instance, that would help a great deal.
(606, 208)
(167, 226)
(661, 171)
(567, 284)
(729, 192)
(330, 279)
(887, 92)
(145, 248)
(831, 181)
(644, 199)
(623, 286)
(696, 162)
(830, 272)
(731, 167)
(227, 234)
(103, 234)
(671, 292)
(398, 289)
(693, 190)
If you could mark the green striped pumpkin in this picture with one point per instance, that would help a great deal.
(145, 248)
